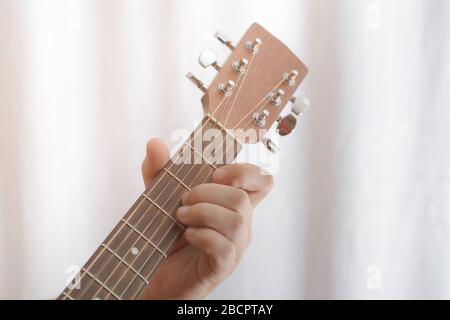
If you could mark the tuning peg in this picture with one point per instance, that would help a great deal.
(275, 97)
(227, 87)
(253, 46)
(239, 66)
(291, 77)
(199, 84)
(223, 38)
(208, 58)
(270, 145)
(287, 124)
(299, 105)
(260, 118)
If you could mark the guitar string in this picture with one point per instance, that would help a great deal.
(164, 220)
(262, 100)
(175, 238)
(151, 205)
(172, 242)
(200, 171)
(143, 200)
(80, 278)
(239, 89)
(163, 238)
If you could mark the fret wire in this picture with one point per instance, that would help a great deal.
(151, 255)
(163, 211)
(139, 205)
(90, 263)
(102, 285)
(176, 236)
(223, 128)
(125, 263)
(66, 295)
(166, 214)
(86, 279)
(162, 240)
(94, 258)
(155, 266)
(145, 238)
(171, 243)
(176, 178)
(155, 232)
(167, 231)
(200, 155)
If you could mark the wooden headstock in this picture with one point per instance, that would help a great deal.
(256, 82)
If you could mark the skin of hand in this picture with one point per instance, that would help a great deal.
(218, 220)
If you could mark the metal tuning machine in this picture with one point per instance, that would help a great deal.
(224, 39)
(287, 123)
(260, 118)
(199, 84)
(270, 145)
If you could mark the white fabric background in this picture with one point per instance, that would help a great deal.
(361, 203)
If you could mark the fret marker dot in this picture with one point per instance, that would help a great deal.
(134, 251)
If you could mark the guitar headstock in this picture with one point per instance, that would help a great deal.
(254, 85)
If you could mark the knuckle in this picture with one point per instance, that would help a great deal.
(240, 199)
(229, 251)
(238, 221)
(237, 180)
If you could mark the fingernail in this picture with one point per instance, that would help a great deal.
(184, 198)
(189, 232)
(218, 174)
(182, 212)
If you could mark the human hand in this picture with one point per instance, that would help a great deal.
(218, 217)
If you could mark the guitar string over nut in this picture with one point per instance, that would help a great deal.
(291, 78)
(239, 66)
(275, 97)
(226, 88)
(253, 46)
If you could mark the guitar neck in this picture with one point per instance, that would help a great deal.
(130, 256)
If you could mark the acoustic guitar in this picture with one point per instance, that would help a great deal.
(243, 102)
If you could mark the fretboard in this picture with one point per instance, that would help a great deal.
(126, 261)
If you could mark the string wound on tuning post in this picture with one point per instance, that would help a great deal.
(275, 97)
(239, 66)
(291, 77)
(253, 46)
(227, 88)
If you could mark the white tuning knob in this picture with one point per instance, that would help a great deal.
(288, 123)
(299, 105)
(208, 58)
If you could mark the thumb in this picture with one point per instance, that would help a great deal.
(156, 158)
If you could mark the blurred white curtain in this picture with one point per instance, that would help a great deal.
(361, 203)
